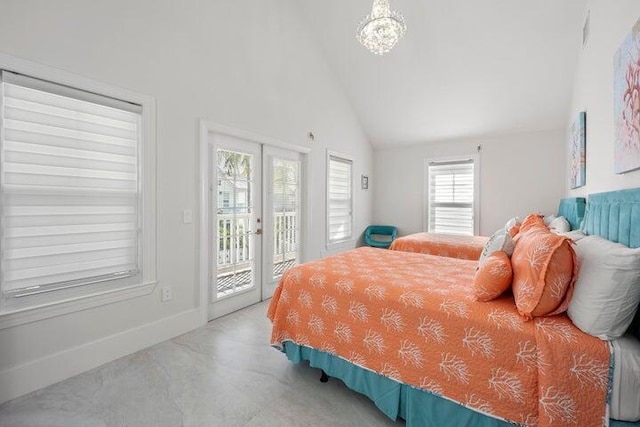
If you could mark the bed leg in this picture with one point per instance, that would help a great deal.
(324, 377)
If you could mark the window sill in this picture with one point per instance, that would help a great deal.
(340, 246)
(23, 316)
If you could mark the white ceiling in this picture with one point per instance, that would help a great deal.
(465, 68)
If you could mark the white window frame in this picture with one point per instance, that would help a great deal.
(333, 243)
(476, 187)
(56, 303)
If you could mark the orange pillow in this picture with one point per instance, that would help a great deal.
(532, 221)
(513, 226)
(493, 277)
(513, 231)
(544, 273)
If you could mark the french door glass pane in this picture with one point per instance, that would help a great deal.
(286, 214)
(235, 215)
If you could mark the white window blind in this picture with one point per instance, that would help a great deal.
(451, 197)
(70, 187)
(339, 199)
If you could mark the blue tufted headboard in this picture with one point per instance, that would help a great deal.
(573, 210)
(615, 215)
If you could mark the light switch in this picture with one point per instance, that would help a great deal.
(187, 216)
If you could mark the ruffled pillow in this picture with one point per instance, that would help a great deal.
(494, 277)
(533, 221)
(513, 226)
(500, 241)
(544, 272)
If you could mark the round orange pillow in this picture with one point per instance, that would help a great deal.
(544, 272)
(493, 277)
(533, 221)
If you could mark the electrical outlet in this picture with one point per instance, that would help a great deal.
(167, 294)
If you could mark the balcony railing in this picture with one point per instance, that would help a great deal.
(235, 252)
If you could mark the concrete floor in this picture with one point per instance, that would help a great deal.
(224, 374)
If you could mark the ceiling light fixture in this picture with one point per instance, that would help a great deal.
(380, 31)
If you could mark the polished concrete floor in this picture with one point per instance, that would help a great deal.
(224, 374)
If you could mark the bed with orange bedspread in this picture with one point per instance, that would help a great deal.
(447, 245)
(413, 318)
(470, 247)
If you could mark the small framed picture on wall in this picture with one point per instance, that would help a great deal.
(364, 182)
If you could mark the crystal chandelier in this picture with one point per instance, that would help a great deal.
(382, 29)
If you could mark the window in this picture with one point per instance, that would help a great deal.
(339, 198)
(451, 192)
(74, 190)
(225, 196)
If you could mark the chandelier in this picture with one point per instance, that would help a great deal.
(380, 31)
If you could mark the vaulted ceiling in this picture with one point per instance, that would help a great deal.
(465, 68)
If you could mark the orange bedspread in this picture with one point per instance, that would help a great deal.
(413, 318)
(447, 245)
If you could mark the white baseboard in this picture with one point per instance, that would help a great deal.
(40, 373)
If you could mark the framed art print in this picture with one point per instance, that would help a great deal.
(577, 151)
(626, 109)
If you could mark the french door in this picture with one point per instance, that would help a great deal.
(255, 221)
(283, 220)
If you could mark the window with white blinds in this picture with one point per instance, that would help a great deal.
(339, 198)
(451, 196)
(70, 182)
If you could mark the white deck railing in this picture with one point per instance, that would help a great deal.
(234, 237)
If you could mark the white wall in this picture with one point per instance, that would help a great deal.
(611, 21)
(519, 174)
(247, 64)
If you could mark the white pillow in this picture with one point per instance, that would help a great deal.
(548, 219)
(607, 292)
(513, 222)
(574, 235)
(559, 225)
(500, 241)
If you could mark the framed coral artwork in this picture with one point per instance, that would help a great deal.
(626, 92)
(577, 151)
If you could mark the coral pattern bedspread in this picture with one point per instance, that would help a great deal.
(447, 245)
(413, 318)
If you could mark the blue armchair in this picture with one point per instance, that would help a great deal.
(380, 236)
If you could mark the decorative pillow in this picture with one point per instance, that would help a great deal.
(544, 270)
(574, 235)
(560, 225)
(500, 241)
(607, 291)
(533, 221)
(494, 277)
(549, 219)
(513, 226)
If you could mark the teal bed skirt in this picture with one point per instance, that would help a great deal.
(418, 407)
